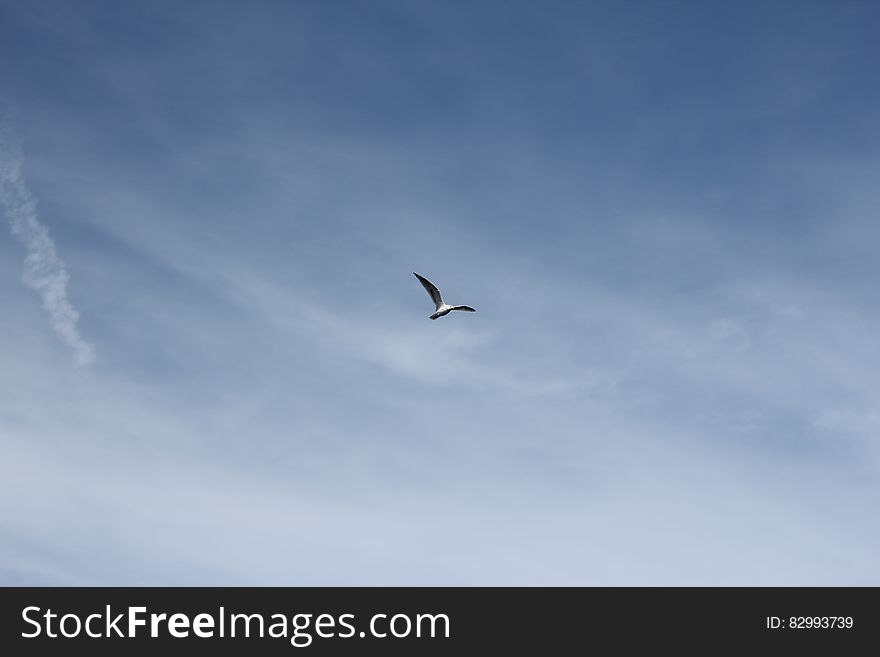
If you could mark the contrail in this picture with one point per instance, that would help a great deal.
(44, 270)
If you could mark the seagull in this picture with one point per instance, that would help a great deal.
(442, 308)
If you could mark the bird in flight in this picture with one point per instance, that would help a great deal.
(442, 308)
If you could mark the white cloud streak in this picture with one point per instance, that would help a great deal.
(44, 270)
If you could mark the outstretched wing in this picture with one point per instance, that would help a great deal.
(432, 290)
(465, 308)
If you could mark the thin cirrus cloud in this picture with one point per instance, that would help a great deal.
(44, 270)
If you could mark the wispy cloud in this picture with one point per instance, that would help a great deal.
(44, 270)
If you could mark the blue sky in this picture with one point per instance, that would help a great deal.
(216, 366)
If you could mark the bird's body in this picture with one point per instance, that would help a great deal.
(445, 309)
(442, 308)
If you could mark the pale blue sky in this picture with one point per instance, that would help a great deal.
(665, 213)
